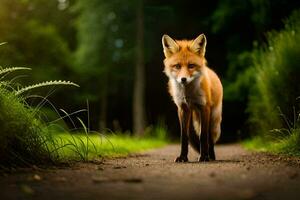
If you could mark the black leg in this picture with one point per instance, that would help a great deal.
(204, 137)
(184, 119)
(212, 154)
(184, 149)
(204, 156)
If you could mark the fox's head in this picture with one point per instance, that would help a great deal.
(184, 58)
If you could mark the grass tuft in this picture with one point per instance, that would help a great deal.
(81, 147)
(22, 135)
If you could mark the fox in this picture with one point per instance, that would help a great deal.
(197, 92)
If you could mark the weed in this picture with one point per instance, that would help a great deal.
(24, 137)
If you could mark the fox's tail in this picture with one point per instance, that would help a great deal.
(194, 140)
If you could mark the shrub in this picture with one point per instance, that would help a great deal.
(276, 86)
(22, 139)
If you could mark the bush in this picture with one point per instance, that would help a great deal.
(22, 136)
(276, 72)
(24, 139)
(275, 91)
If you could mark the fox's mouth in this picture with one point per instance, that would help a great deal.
(184, 83)
(184, 80)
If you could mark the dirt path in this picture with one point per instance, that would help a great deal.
(237, 174)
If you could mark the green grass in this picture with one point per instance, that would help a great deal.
(288, 145)
(92, 146)
(22, 136)
(27, 139)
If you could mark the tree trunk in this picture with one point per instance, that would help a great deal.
(139, 121)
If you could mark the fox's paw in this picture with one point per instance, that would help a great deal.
(212, 158)
(203, 159)
(181, 159)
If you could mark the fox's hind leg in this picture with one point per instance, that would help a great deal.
(212, 155)
(215, 129)
(204, 137)
(195, 131)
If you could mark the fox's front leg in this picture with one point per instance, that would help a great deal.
(184, 115)
(205, 131)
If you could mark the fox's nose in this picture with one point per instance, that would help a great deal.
(183, 80)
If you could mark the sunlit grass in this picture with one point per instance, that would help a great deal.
(289, 145)
(93, 146)
(257, 144)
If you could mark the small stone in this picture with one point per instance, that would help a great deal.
(36, 177)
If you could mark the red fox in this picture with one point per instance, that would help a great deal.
(197, 92)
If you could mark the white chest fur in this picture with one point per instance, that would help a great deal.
(190, 94)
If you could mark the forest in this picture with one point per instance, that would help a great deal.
(85, 111)
(113, 51)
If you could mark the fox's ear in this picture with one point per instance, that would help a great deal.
(199, 45)
(169, 45)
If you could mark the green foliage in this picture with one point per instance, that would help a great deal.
(104, 58)
(84, 148)
(105, 42)
(238, 90)
(291, 145)
(282, 140)
(11, 69)
(158, 131)
(243, 25)
(44, 84)
(22, 134)
(286, 145)
(5, 71)
(276, 72)
(273, 100)
(33, 37)
(25, 139)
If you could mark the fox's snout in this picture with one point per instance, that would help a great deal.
(183, 80)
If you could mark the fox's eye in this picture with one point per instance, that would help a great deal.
(177, 66)
(191, 66)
